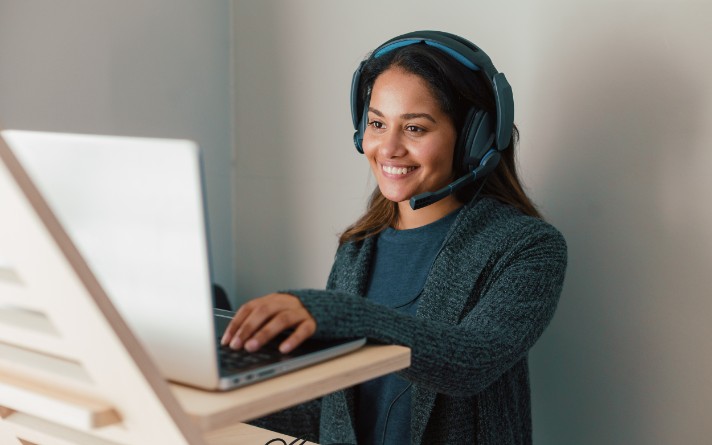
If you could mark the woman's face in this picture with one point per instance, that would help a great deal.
(409, 140)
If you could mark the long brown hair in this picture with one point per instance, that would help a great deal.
(456, 90)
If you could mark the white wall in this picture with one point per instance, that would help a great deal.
(159, 68)
(613, 102)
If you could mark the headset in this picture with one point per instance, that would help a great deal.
(483, 136)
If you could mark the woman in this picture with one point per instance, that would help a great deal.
(468, 282)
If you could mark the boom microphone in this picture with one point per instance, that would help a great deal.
(488, 164)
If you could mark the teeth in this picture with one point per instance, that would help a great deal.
(397, 170)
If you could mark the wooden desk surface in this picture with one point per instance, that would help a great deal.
(217, 410)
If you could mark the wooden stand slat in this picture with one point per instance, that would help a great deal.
(7, 436)
(18, 361)
(32, 330)
(9, 276)
(34, 342)
(54, 405)
(15, 294)
(36, 430)
(30, 320)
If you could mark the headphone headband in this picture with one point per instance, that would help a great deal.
(459, 49)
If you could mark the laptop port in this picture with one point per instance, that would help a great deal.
(265, 373)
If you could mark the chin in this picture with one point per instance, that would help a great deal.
(397, 198)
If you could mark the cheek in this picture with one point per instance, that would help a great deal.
(441, 166)
(369, 156)
(369, 152)
(369, 149)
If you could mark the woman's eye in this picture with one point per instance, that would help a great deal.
(413, 128)
(376, 124)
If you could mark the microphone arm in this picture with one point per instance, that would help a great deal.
(489, 162)
(427, 198)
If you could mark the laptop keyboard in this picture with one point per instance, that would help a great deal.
(240, 360)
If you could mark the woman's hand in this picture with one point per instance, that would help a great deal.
(261, 319)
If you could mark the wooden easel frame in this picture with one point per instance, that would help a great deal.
(71, 371)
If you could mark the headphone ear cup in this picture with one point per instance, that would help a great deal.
(361, 128)
(462, 146)
(363, 123)
(478, 138)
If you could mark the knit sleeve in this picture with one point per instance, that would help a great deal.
(461, 359)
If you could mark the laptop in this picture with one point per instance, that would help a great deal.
(135, 208)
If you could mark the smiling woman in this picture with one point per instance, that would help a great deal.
(450, 259)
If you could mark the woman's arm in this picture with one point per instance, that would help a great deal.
(459, 359)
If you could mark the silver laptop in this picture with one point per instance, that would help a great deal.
(135, 208)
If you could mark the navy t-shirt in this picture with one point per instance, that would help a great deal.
(402, 261)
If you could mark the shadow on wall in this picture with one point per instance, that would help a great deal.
(624, 129)
(263, 226)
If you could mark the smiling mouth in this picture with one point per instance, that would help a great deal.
(397, 170)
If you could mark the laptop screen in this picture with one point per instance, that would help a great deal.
(135, 209)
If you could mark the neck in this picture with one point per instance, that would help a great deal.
(411, 219)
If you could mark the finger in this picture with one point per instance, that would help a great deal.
(258, 317)
(305, 330)
(235, 324)
(282, 320)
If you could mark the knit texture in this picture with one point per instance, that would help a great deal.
(491, 292)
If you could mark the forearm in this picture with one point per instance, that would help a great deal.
(458, 360)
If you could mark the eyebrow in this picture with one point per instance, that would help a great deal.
(406, 115)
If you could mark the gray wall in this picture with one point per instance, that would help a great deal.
(159, 68)
(613, 102)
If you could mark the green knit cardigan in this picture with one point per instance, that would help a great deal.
(492, 290)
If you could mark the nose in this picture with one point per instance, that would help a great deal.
(391, 145)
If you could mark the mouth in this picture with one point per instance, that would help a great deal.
(397, 171)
